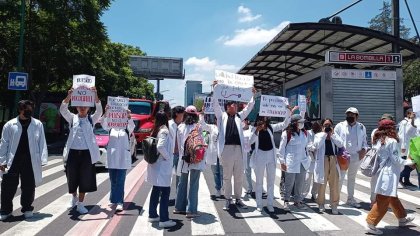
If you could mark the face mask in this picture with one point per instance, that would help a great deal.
(350, 119)
(27, 114)
(300, 125)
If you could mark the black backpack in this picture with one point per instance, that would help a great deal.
(150, 152)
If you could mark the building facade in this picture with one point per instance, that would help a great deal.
(191, 88)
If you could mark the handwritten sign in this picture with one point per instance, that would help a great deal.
(82, 94)
(208, 105)
(233, 87)
(415, 101)
(117, 112)
(274, 106)
(302, 105)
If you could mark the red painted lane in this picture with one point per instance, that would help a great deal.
(97, 218)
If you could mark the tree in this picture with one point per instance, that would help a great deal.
(411, 73)
(383, 22)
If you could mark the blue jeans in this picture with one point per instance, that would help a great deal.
(175, 166)
(163, 193)
(182, 199)
(218, 175)
(117, 177)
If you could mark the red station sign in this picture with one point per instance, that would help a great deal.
(370, 58)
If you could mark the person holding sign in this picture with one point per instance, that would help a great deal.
(263, 157)
(231, 145)
(118, 156)
(81, 151)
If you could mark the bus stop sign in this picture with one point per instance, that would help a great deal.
(18, 81)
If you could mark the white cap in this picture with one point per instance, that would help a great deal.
(352, 110)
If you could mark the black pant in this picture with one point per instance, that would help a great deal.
(21, 167)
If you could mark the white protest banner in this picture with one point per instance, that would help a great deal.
(302, 105)
(82, 94)
(233, 87)
(274, 106)
(208, 105)
(117, 112)
(415, 102)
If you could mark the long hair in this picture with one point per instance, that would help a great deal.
(190, 118)
(317, 127)
(386, 129)
(160, 119)
(261, 118)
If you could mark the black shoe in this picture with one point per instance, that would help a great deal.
(409, 184)
(313, 198)
(402, 183)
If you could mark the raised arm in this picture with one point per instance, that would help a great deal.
(216, 106)
(98, 113)
(247, 109)
(64, 107)
(282, 125)
(203, 124)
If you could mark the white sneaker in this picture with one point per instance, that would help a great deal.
(218, 193)
(334, 210)
(28, 214)
(373, 230)
(259, 208)
(81, 208)
(227, 205)
(120, 207)
(405, 221)
(167, 224)
(286, 206)
(321, 208)
(151, 220)
(73, 202)
(270, 209)
(5, 217)
(353, 203)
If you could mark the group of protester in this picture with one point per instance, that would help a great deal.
(309, 159)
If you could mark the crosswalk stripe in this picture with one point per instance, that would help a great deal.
(53, 161)
(366, 198)
(401, 195)
(209, 222)
(142, 225)
(46, 215)
(314, 221)
(42, 190)
(52, 171)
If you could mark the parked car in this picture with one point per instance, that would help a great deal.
(102, 139)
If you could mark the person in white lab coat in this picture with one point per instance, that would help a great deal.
(118, 158)
(294, 160)
(326, 168)
(407, 130)
(23, 150)
(263, 158)
(386, 141)
(353, 135)
(159, 174)
(248, 131)
(309, 178)
(177, 114)
(81, 151)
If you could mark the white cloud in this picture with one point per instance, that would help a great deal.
(206, 65)
(252, 36)
(245, 15)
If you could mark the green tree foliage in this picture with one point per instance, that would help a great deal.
(383, 22)
(411, 72)
(63, 38)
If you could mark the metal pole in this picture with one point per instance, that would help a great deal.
(354, 3)
(21, 49)
(396, 24)
(158, 89)
(412, 19)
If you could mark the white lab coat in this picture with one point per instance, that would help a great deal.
(318, 147)
(211, 151)
(118, 151)
(293, 154)
(73, 121)
(160, 172)
(254, 139)
(222, 118)
(12, 131)
(183, 167)
(390, 165)
(173, 127)
(342, 130)
(406, 132)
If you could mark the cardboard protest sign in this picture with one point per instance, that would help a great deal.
(233, 87)
(415, 101)
(302, 105)
(208, 105)
(117, 112)
(274, 106)
(82, 94)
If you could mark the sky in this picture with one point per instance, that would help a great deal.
(222, 34)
